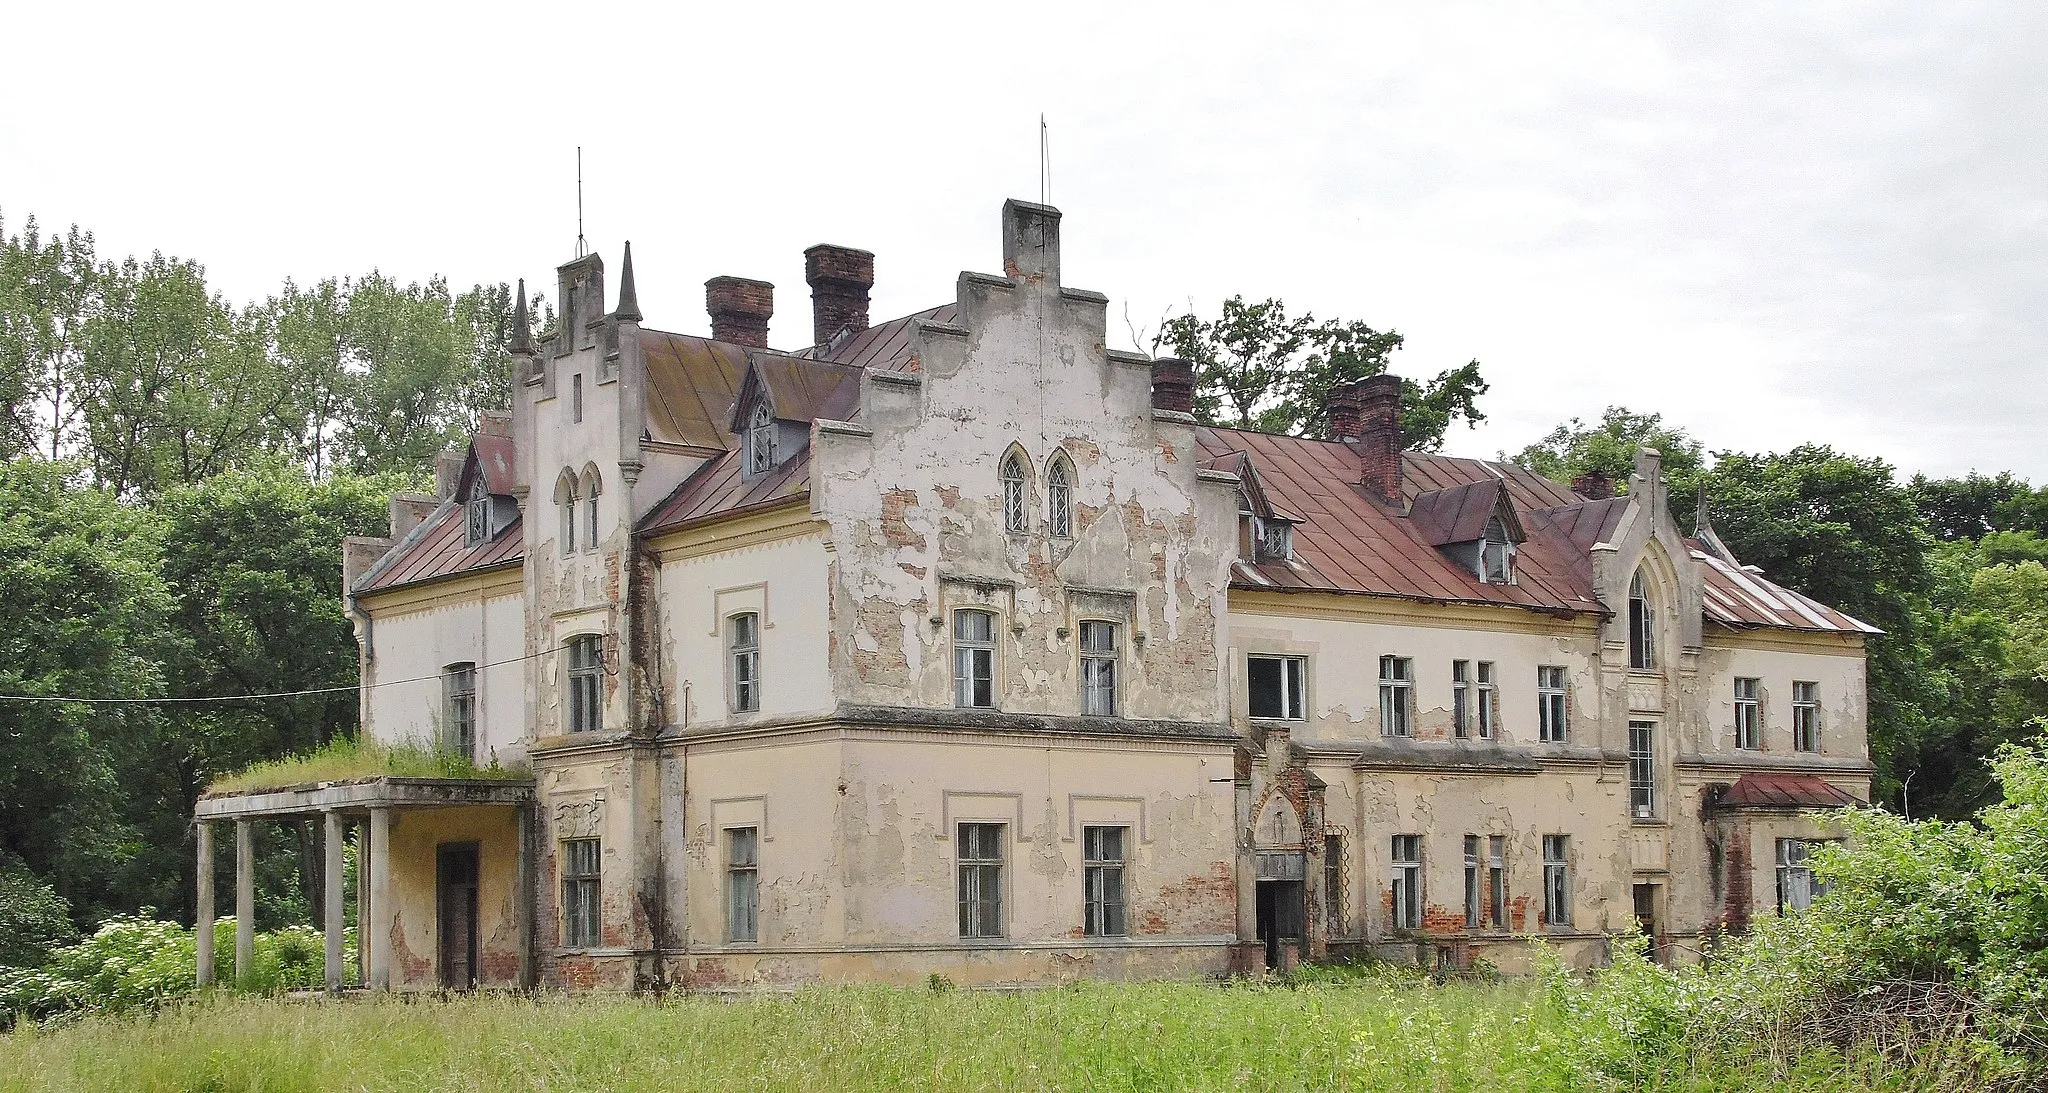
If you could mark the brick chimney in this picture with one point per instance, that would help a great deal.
(1379, 434)
(1343, 408)
(840, 278)
(1173, 385)
(740, 309)
(1594, 485)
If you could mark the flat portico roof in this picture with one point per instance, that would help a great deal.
(357, 796)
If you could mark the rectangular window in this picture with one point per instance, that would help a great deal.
(1497, 882)
(1333, 882)
(1102, 880)
(586, 669)
(981, 880)
(1098, 668)
(1642, 770)
(743, 638)
(1551, 705)
(1407, 855)
(1797, 885)
(576, 395)
(1557, 880)
(742, 883)
(1489, 703)
(1276, 687)
(580, 903)
(459, 690)
(1461, 698)
(1748, 715)
(1396, 685)
(974, 659)
(1474, 901)
(1806, 716)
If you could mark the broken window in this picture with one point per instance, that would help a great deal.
(1642, 770)
(586, 669)
(742, 883)
(1797, 886)
(1642, 626)
(1059, 500)
(1461, 698)
(1407, 903)
(1098, 668)
(1489, 704)
(1805, 715)
(1102, 880)
(743, 639)
(1557, 880)
(458, 685)
(974, 659)
(1016, 516)
(1497, 554)
(580, 899)
(1276, 685)
(1748, 714)
(981, 880)
(1474, 893)
(1497, 882)
(1551, 705)
(478, 511)
(761, 439)
(1396, 692)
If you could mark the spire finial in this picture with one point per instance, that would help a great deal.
(522, 326)
(629, 298)
(1703, 530)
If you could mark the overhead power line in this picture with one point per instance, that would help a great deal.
(251, 698)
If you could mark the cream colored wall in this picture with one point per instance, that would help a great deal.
(1841, 676)
(415, 937)
(1343, 671)
(787, 583)
(411, 647)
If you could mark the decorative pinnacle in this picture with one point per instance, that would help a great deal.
(522, 332)
(629, 298)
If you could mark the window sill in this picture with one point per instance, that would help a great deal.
(1648, 821)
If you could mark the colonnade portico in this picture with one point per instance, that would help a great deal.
(371, 806)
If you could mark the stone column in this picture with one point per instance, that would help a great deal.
(523, 895)
(378, 927)
(330, 890)
(204, 927)
(245, 901)
(362, 837)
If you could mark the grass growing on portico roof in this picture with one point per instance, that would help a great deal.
(351, 759)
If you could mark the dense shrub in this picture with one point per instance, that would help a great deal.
(33, 918)
(134, 962)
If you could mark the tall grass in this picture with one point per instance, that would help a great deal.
(1379, 1034)
(348, 758)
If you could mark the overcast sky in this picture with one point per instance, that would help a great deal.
(1773, 223)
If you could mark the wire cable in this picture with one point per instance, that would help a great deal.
(249, 698)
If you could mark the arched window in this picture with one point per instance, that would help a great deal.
(1642, 626)
(1059, 499)
(761, 439)
(479, 510)
(1016, 517)
(565, 502)
(590, 492)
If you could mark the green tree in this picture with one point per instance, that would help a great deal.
(1972, 506)
(1258, 368)
(45, 295)
(1610, 447)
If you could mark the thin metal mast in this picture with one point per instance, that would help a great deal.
(582, 246)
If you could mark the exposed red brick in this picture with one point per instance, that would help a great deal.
(894, 527)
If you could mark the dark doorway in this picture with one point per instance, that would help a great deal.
(1646, 918)
(456, 873)
(1281, 909)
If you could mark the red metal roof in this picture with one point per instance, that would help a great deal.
(718, 487)
(888, 346)
(438, 548)
(1785, 792)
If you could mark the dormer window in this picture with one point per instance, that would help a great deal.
(760, 439)
(1497, 554)
(1276, 541)
(479, 511)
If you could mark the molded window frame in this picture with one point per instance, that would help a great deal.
(1293, 686)
(742, 884)
(981, 853)
(1105, 853)
(1405, 856)
(1553, 704)
(582, 875)
(977, 660)
(1749, 719)
(1557, 880)
(1101, 647)
(1059, 497)
(1015, 474)
(458, 705)
(743, 661)
(1805, 715)
(1397, 696)
(583, 682)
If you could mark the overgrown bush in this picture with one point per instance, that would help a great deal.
(135, 962)
(33, 918)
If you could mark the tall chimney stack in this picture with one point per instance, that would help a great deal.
(740, 309)
(1173, 385)
(1594, 485)
(1379, 434)
(1343, 408)
(840, 278)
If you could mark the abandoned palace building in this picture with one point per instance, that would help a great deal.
(954, 644)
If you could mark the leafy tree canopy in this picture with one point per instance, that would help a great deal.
(1609, 446)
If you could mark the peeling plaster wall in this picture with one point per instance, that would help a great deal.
(415, 644)
(1843, 715)
(786, 583)
(591, 794)
(415, 936)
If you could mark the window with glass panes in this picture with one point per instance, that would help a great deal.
(1551, 705)
(1098, 668)
(1642, 769)
(1557, 880)
(1407, 862)
(1797, 886)
(1475, 893)
(1016, 516)
(742, 883)
(458, 684)
(974, 659)
(1497, 881)
(581, 926)
(1642, 626)
(1276, 687)
(1333, 882)
(981, 879)
(1396, 687)
(761, 440)
(743, 640)
(1102, 880)
(1059, 501)
(1748, 714)
(1488, 705)
(1805, 715)
(586, 672)
(1461, 698)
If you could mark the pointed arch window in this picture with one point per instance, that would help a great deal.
(1016, 517)
(1497, 554)
(478, 511)
(1642, 625)
(761, 439)
(590, 492)
(565, 503)
(1059, 499)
